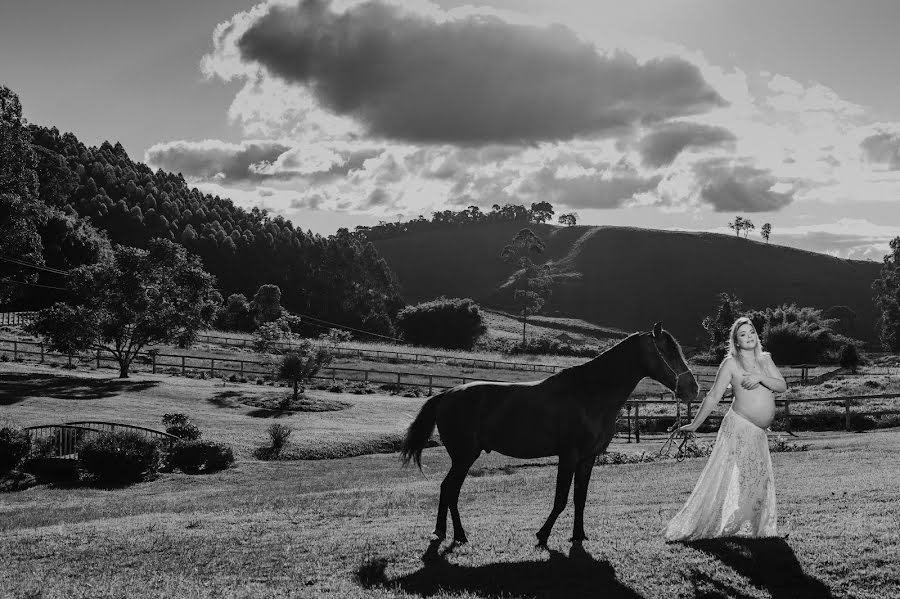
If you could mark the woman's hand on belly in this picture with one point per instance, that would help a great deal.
(756, 405)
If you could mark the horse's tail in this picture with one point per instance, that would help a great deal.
(419, 432)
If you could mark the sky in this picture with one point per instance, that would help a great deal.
(665, 114)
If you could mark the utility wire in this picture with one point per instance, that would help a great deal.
(55, 271)
(8, 280)
(341, 326)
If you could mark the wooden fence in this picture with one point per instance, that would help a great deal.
(14, 318)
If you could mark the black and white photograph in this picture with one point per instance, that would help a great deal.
(451, 299)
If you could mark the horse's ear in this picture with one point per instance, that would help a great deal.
(657, 330)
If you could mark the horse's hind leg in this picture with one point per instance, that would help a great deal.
(582, 479)
(564, 474)
(450, 497)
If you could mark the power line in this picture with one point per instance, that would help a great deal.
(341, 326)
(20, 262)
(8, 280)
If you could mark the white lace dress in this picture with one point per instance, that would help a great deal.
(735, 496)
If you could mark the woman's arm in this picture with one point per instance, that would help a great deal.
(772, 378)
(723, 379)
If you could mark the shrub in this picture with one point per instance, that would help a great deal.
(196, 456)
(181, 426)
(449, 323)
(850, 357)
(119, 456)
(551, 346)
(279, 433)
(15, 444)
(300, 365)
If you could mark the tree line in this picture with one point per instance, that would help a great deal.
(540, 212)
(65, 205)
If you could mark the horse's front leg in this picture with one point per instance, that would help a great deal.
(582, 479)
(564, 474)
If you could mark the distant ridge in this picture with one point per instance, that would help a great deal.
(628, 277)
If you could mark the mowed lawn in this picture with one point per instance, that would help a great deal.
(359, 527)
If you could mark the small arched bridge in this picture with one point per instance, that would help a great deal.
(62, 441)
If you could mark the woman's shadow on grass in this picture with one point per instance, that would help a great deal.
(766, 563)
(561, 576)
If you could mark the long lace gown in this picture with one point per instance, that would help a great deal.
(735, 496)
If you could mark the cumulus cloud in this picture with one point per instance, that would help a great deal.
(211, 159)
(312, 202)
(882, 149)
(736, 187)
(580, 188)
(661, 146)
(465, 77)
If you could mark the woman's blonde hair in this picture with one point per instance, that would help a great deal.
(732, 341)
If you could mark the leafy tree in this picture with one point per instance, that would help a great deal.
(236, 315)
(718, 325)
(887, 298)
(139, 298)
(531, 281)
(850, 357)
(450, 323)
(766, 231)
(541, 212)
(748, 226)
(796, 335)
(844, 319)
(302, 364)
(20, 212)
(266, 304)
(737, 225)
(335, 338)
(569, 219)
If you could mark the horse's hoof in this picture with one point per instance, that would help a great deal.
(460, 540)
(438, 536)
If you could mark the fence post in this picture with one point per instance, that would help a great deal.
(430, 384)
(242, 368)
(98, 359)
(628, 419)
(637, 423)
(212, 367)
(398, 382)
(365, 376)
(70, 359)
(182, 365)
(15, 351)
(153, 362)
(847, 413)
(333, 375)
(787, 414)
(42, 351)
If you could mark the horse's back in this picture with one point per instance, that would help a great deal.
(515, 419)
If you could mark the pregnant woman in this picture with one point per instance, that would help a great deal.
(735, 495)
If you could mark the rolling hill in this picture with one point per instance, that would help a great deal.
(627, 278)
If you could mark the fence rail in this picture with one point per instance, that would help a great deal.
(62, 441)
(14, 318)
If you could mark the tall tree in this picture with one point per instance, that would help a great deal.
(718, 325)
(737, 225)
(887, 299)
(541, 212)
(747, 226)
(139, 298)
(531, 281)
(766, 231)
(20, 211)
(569, 219)
(266, 304)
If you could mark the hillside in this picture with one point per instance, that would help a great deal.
(627, 278)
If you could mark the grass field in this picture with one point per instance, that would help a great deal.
(358, 527)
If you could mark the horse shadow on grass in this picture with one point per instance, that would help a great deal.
(561, 576)
(17, 387)
(767, 563)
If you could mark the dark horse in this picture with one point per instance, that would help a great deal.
(571, 414)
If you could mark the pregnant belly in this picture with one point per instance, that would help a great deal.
(756, 405)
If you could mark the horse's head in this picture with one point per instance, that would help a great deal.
(665, 363)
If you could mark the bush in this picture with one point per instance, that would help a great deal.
(181, 426)
(551, 346)
(279, 433)
(15, 444)
(850, 357)
(447, 323)
(119, 456)
(196, 456)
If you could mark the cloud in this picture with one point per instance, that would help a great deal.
(211, 159)
(882, 149)
(603, 187)
(463, 77)
(735, 187)
(313, 202)
(662, 146)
